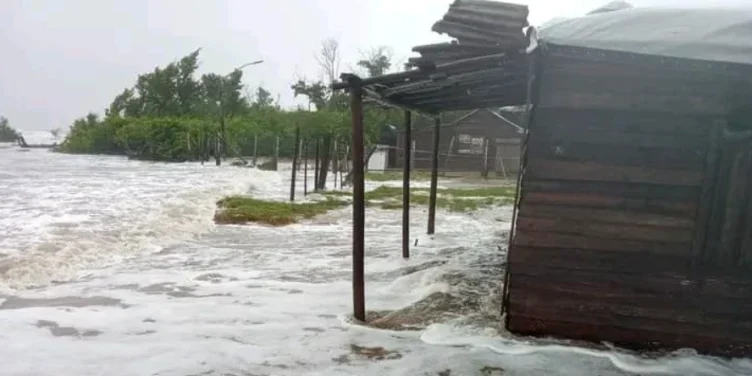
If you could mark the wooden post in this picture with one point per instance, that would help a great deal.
(406, 188)
(316, 167)
(255, 150)
(276, 155)
(295, 151)
(485, 157)
(335, 165)
(356, 107)
(305, 168)
(434, 177)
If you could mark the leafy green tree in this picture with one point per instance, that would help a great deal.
(377, 61)
(172, 114)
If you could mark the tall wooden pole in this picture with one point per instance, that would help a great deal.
(305, 168)
(434, 177)
(316, 166)
(296, 150)
(406, 187)
(356, 107)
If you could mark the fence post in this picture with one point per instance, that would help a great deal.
(305, 167)
(406, 188)
(335, 164)
(316, 167)
(434, 177)
(276, 156)
(295, 151)
(485, 157)
(412, 155)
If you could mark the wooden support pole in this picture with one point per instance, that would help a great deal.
(434, 177)
(255, 150)
(316, 166)
(356, 107)
(296, 150)
(305, 168)
(406, 187)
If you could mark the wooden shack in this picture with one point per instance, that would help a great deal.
(634, 219)
(470, 141)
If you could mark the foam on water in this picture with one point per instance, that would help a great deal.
(62, 214)
(257, 300)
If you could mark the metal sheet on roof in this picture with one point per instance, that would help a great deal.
(720, 35)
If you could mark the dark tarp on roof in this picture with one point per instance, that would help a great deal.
(719, 35)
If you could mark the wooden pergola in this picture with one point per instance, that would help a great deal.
(485, 66)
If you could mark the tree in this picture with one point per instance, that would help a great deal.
(328, 59)
(316, 92)
(263, 99)
(7, 133)
(187, 88)
(377, 61)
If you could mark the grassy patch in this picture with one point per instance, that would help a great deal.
(452, 199)
(241, 210)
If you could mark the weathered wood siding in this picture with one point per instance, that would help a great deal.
(614, 233)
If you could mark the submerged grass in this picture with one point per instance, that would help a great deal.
(241, 210)
(452, 199)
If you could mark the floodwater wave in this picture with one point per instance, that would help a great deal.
(110, 266)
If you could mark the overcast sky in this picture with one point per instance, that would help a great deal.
(60, 59)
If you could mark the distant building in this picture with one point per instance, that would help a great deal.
(463, 142)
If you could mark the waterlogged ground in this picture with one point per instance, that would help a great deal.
(113, 267)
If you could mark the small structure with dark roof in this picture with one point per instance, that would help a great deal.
(484, 141)
(633, 223)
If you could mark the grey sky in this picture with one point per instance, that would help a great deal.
(63, 58)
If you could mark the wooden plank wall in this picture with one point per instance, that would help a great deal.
(616, 162)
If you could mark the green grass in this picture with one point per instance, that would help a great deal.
(452, 199)
(241, 210)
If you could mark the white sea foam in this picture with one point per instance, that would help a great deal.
(156, 289)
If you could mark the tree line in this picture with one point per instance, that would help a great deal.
(171, 114)
(7, 133)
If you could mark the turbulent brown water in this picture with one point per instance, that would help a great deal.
(113, 267)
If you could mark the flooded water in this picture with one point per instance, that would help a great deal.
(114, 267)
